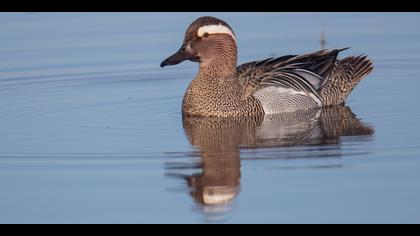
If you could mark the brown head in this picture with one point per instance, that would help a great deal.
(209, 41)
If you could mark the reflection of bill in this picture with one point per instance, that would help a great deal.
(220, 140)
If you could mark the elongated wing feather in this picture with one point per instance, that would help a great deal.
(305, 73)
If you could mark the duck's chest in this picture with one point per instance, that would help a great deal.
(214, 98)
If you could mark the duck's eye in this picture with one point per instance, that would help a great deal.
(205, 35)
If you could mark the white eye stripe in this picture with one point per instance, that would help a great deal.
(215, 29)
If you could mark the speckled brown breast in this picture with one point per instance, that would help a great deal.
(220, 97)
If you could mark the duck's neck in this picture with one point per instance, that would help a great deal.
(221, 64)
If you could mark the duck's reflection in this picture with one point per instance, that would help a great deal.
(219, 141)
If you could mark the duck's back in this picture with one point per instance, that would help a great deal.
(291, 83)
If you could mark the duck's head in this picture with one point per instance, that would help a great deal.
(206, 39)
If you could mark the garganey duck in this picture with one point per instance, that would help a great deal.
(274, 85)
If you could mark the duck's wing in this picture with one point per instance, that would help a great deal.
(305, 73)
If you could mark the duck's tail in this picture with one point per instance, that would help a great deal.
(362, 66)
(347, 73)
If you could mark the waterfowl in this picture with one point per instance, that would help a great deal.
(273, 85)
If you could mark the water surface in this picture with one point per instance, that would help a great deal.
(92, 131)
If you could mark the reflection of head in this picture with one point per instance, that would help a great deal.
(215, 190)
(213, 195)
(219, 181)
(218, 201)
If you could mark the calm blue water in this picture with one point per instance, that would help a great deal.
(91, 129)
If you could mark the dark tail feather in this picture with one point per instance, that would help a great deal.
(361, 66)
(347, 73)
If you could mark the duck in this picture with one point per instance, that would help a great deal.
(273, 85)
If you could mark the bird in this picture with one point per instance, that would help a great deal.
(274, 85)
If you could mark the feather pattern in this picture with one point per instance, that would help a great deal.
(303, 74)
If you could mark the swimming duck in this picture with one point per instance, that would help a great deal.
(273, 85)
